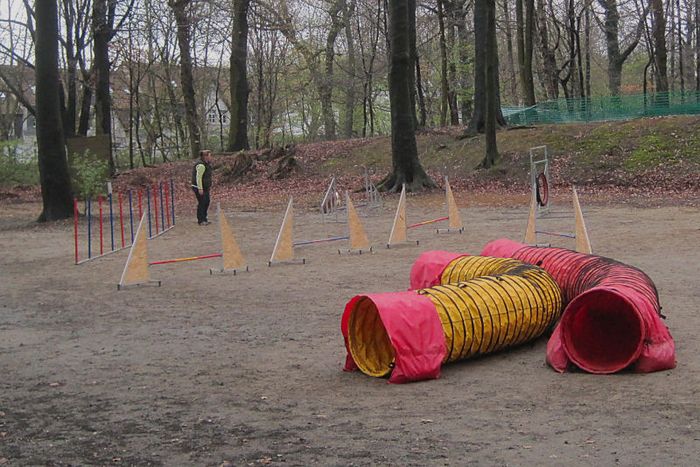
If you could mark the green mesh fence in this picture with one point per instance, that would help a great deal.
(605, 108)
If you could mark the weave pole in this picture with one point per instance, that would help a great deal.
(162, 213)
(89, 227)
(111, 218)
(99, 203)
(155, 208)
(167, 204)
(75, 227)
(131, 217)
(121, 217)
(148, 207)
(140, 204)
(172, 199)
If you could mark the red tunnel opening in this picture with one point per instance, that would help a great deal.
(602, 332)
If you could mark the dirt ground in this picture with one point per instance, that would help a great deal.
(246, 370)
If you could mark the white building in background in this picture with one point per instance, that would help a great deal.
(18, 124)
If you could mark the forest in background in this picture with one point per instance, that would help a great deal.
(180, 75)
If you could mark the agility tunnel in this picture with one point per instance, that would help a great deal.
(411, 334)
(612, 319)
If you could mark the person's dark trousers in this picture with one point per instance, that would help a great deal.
(202, 205)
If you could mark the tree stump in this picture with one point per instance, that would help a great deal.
(237, 166)
(285, 167)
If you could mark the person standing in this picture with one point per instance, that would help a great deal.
(201, 184)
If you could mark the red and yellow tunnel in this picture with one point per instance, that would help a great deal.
(499, 303)
(612, 319)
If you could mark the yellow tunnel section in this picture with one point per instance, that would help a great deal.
(494, 303)
(369, 342)
(488, 304)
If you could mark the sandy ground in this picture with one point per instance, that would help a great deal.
(246, 370)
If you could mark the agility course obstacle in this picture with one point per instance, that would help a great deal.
(453, 217)
(411, 334)
(284, 245)
(233, 259)
(580, 235)
(331, 204)
(539, 177)
(612, 318)
(136, 272)
(161, 193)
(283, 253)
(356, 231)
(399, 234)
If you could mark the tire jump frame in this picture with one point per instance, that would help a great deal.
(409, 335)
(580, 235)
(399, 229)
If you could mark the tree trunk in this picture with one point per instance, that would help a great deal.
(573, 49)
(422, 122)
(659, 32)
(413, 56)
(406, 167)
(452, 67)
(103, 105)
(466, 98)
(491, 73)
(477, 122)
(180, 9)
(697, 46)
(326, 85)
(444, 86)
(612, 19)
(53, 166)
(85, 105)
(350, 93)
(616, 58)
(238, 129)
(587, 35)
(549, 63)
(71, 110)
(509, 48)
(681, 68)
(525, 30)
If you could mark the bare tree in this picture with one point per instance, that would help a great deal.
(616, 57)
(659, 33)
(53, 166)
(406, 167)
(238, 130)
(524, 32)
(182, 17)
(491, 79)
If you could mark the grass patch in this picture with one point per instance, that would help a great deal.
(653, 150)
(16, 169)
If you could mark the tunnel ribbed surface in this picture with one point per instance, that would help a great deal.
(612, 318)
(511, 305)
(504, 303)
